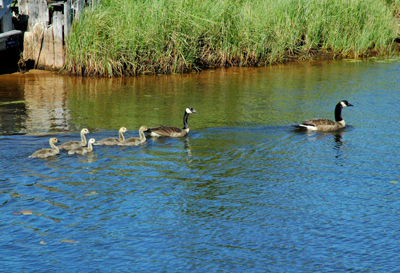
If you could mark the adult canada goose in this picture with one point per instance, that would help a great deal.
(74, 144)
(134, 141)
(172, 131)
(113, 140)
(83, 150)
(43, 153)
(327, 125)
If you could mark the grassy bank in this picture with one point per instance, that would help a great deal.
(128, 37)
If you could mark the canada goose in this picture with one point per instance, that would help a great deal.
(173, 131)
(134, 141)
(43, 153)
(113, 140)
(74, 144)
(326, 125)
(83, 150)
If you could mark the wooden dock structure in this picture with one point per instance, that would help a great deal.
(47, 27)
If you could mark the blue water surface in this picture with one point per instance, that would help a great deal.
(244, 192)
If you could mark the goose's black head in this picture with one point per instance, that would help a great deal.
(191, 110)
(345, 103)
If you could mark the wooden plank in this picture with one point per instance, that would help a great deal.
(49, 48)
(37, 11)
(80, 4)
(67, 18)
(39, 32)
(58, 40)
(33, 43)
(9, 33)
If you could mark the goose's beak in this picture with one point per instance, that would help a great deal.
(194, 111)
(350, 104)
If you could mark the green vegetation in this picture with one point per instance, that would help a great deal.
(128, 37)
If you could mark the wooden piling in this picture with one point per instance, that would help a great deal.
(44, 44)
(49, 48)
(67, 17)
(58, 40)
(37, 11)
(79, 8)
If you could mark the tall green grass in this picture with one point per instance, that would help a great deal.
(128, 37)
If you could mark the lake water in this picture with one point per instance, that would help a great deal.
(243, 192)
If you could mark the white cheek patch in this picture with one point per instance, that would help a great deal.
(343, 104)
(188, 111)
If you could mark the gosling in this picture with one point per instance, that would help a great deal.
(83, 150)
(44, 153)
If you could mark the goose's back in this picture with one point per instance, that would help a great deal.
(71, 145)
(108, 141)
(318, 122)
(167, 131)
(79, 150)
(44, 153)
(132, 141)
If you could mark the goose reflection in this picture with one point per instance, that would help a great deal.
(338, 142)
(187, 146)
(316, 136)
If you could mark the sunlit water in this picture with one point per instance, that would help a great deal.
(243, 192)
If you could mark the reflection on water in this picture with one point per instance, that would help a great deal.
(227, 97)
(244, 192)
(36, 99)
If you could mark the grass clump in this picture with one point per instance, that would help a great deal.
(128, 37)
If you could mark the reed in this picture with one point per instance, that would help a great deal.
(128, 37)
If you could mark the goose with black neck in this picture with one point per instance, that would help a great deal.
(168, 131)
(326, 125)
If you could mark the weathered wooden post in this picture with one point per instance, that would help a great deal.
(43, 44)
(80, 4)
(37, 11)
(58, 40)
(48, 49)
(38, 20)
(67, 18)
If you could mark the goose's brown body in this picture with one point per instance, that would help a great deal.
(327, 125)
(168, 131)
